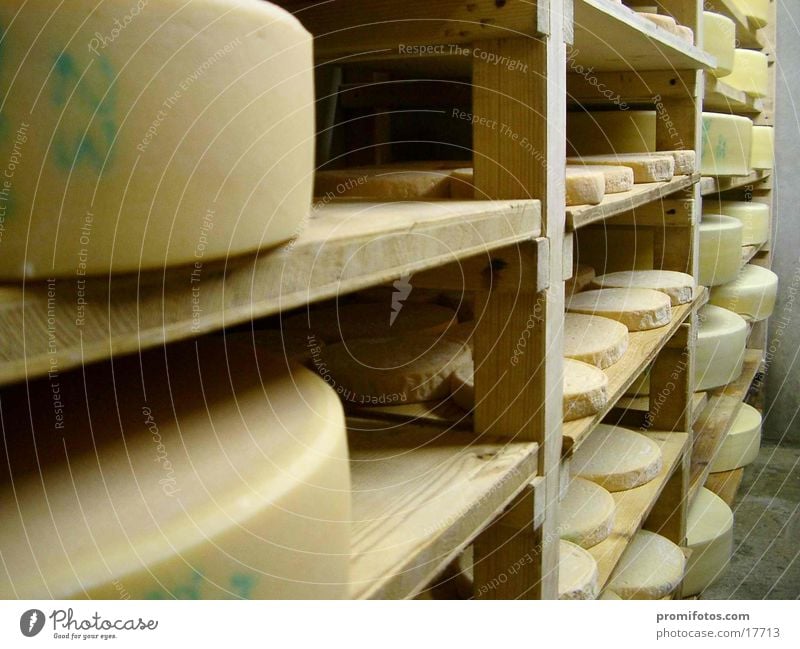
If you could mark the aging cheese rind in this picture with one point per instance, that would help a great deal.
(583, 187)
(585, 390)
(709, 536)
(577, 572)
(719, 40)
(650, 568)
(678, 286)
(594, 340)
(726, 145)
(647, 167)
(752, 294)
(638, 309)
(741, 445)
(754, 217)
(750, 72)
(720, 249)
(762, 154)
(585, 513)
(720, 347)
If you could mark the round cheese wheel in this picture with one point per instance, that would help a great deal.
(754, 217)
(378, 320)
(391, 371)
(201, 484)
(462, 386)
(757, 11)
(720, 347)
(709, 535)
(584, 187)
(577, 572)
(615, 131)
(617, 458)
(741, 445)
(762, 154)
(638, 309)
(594, 340)
(678, 286)
(726, 143)
(585, 389)
(749, 72)
(151, 136)
(646, 167)
(586, 513)
(383, 183)
(617, 179)
(582, 276)
(650, 568)
(752, 294)
(719, 40)
(720, 249)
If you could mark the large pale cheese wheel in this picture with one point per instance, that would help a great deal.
(720, 347)
(719, 40)
(726, 145)
(752, 294)
(741, 445)
(582, 276)
(594, 340)
(204, 483)
(577, 572)
(617, 179)
(585, 389)
(762, 154)
(709, 536)
(757, 11)
(650, 568)
(149, 136)
(617, 458)
(646, 167)
(586, 513)
(720, 249)
(678, 286)
(392, 371)
(754, 217)
(384, 183)
(750, 72)
(584, 187)
(616, 131)
(638, 309)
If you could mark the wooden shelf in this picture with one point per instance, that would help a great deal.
(346, 246)
(717, 184)
(615, 204)
(725, 484)
(716, 420)
(634, 505)
(610, 36)
(420, 495)
(721, 97)
(746, 36)
(749, 252)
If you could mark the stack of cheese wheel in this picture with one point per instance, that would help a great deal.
(678, 286)
(719, 40)
(594, 340)
(190, 137)
(719, 352)
(709, 536)
(651, 567)
(720, 249)
(585, 513)
(741, 444)
(757, 11)
(174, 495)
(577, 572)
(762, 154)
(638, 309)
(754, 217)
(617, 458)
(750, 72)
(752, 294)
(726, 145)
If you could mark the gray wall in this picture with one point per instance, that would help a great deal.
(783, 352)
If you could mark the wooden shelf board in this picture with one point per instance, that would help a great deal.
(614, 204)
(717, 418)
(746, 36)
(422, 494)
(609, 36)
(725, 484)
(634, 505)
(643, 346)
(346, 246)
(719, 96)
(749, 252)
(717, 184)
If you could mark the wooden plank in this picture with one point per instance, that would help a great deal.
(717, 184)
(346, 246)
(635, 88)
(725, 484)
(420, 496)
(634, 505)
(721, 97)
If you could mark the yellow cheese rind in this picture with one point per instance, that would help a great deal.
(752, 294)
(750, 72)
(585, 389)
(754, 217)
(584, 187)
(720, 347)
(183, 137)
(577, 573)
(726, 145)
(678, 286)
(741, 445)
(720, 249)
(595, 340)
(650, 568)
(719, 40)
(638, 309)
(709, 536)
(646, 167)
(617, 179)
(585, 513)
(762, 154)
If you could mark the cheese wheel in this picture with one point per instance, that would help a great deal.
(750, 72)
(379, 320)
(720, 347)
(638, 309)
(462, 386)
(752, 294)
(586, 513)
(726, 145)
(617, 458)
(594, 340)
(757, 11)
(577, 572)
(584, 187)
(617, 179)
(383, 183)
(709, 536)
(650, 568)
(754, 217)
(585, 390)
(615, 131)
(582, 276)
(719, 40)
(462, 184)
(762, 153)
(742, 443)
(678, 286)
(152, 137)
(392, 371)
(720, 249)
(201, 484)
(647, 167)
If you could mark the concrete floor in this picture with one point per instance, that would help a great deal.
(766, 560)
